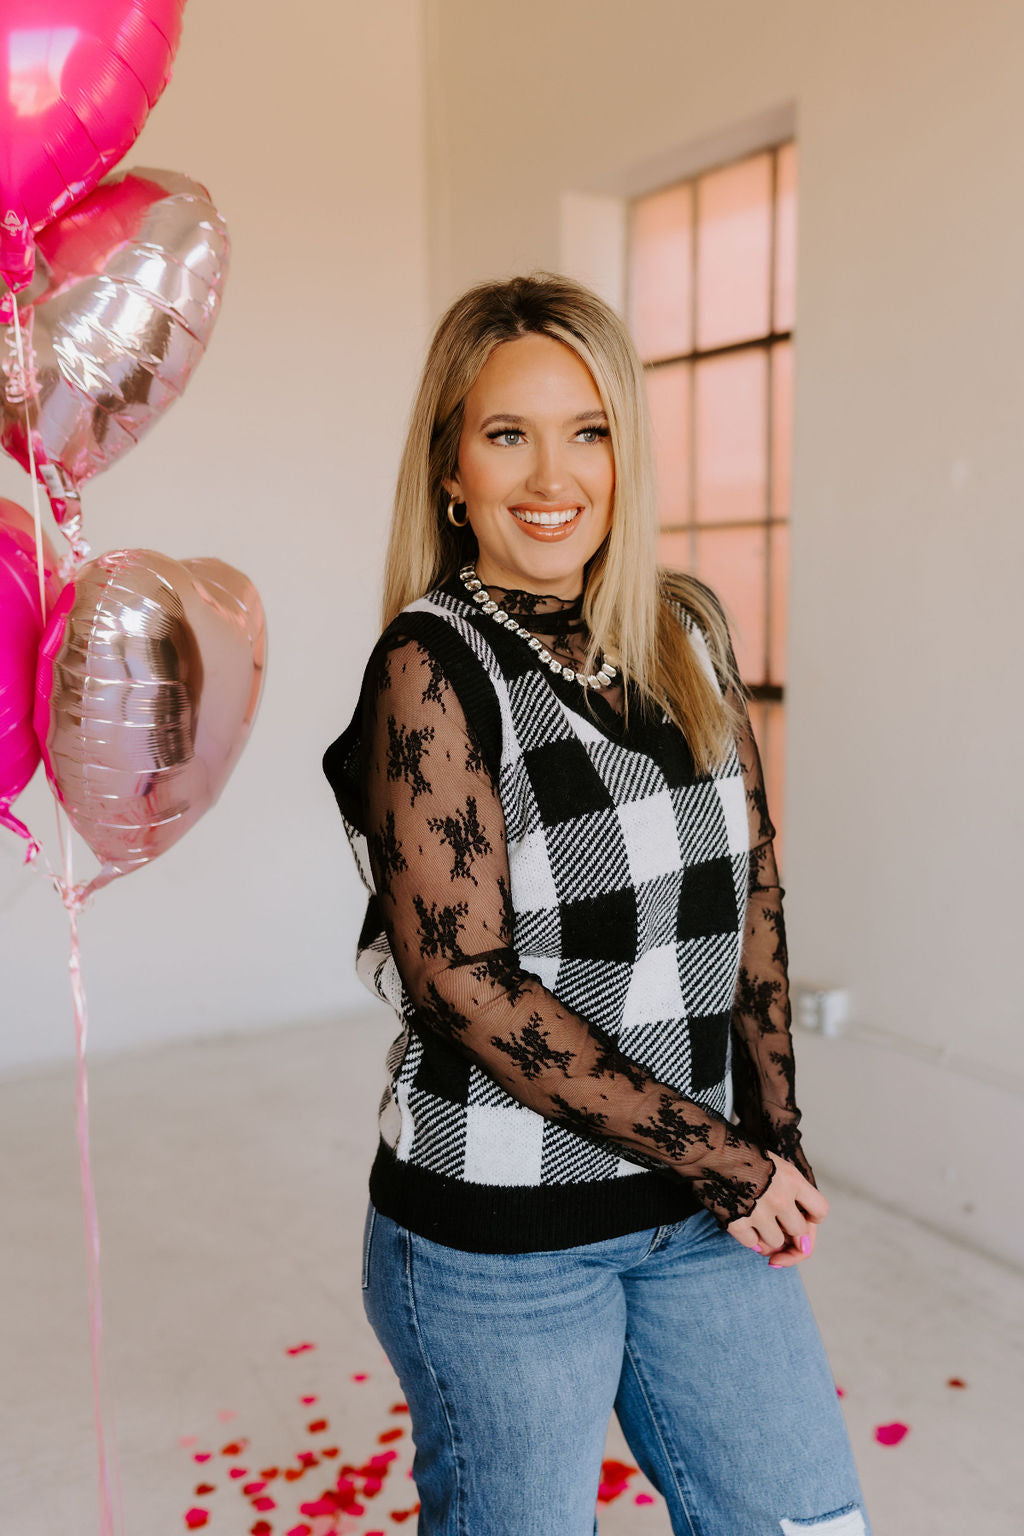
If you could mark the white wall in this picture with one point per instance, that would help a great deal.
(904, 808)
(307, 127)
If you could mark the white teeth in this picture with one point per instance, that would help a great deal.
(547, 519)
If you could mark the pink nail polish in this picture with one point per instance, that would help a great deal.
(758, 1248)
(805, 1243)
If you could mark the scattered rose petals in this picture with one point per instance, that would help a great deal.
(298, 1530)
(264, 1503)
(891, 1434)
(239, 1472)
(234, 1448)
(389, 1434)
(269, 1473)
(324, 1506)
(204, 1488)
(251, 1488)
(317, 1426)
(194, 1518)
(644, 1498)
(188, 1440)
(299, 1349)
(954, 1381)
(399, 1408)
(291, 1473)
(614, 1477)
(398, 1515)
(330, 1450)
(202, 1456)
(261, 1528)
(307, 1458)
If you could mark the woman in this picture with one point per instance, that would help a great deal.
(553, 794)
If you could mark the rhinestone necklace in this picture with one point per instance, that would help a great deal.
(475, 587)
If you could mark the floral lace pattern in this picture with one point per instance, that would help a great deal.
(437, 848)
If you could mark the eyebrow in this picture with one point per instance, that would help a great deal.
(521, 421)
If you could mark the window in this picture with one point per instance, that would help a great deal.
(711, 292)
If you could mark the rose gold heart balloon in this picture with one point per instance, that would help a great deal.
(149, 678)
(127, 289)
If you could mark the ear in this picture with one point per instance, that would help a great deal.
(452, 486)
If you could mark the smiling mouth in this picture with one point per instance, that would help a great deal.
(559, 519)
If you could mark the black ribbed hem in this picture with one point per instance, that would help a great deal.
(488, 1218)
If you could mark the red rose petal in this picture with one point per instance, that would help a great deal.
(330, 1450)
(299, 1530)
(398, 1515)
(840, 1392)
(194, 1518)
(372, 1486)
(390, 1434)
(954, 1381)
(251, 1488)
(239, 1472)
(643, 1498)
(891, 1434)
(261, 1528)
(269, 1473)
(299, 1349)
(399, 1408)
(291, 1473)
(323, 1506)
(307, 1458)
(234, 1448)
(317, 1426)
(202, 1489)
(360, 1376)
(308, 1400)
(264, 1503)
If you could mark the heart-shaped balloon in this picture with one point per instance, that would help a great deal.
(127, 291)
(77, 81)
(150, 674)
(23, 615)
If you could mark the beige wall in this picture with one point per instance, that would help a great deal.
(307, 128)
(904, 805)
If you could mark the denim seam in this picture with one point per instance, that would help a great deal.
(452, 1439)
(661, 1439)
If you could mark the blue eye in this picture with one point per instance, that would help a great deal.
(595, 434)
(505, 432)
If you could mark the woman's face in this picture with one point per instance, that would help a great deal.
(535, 467)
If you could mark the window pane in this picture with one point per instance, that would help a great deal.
(785, 239)
(731, 466)
(769, 722)
(778, 599)
(732, 562)
(733, 252)
(674, 551)
(668, 394)
(660, 273)
(782, 428)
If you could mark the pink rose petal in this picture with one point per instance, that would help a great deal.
(226, 1415)
(299, 1349)
(644, 1498)
(307, 1400)
(194, 1518)
(239, 1472)
(360, 1376)
(300, 1530)
(202, 1456)
(840, 1392)
(891, 1434)
(251, 1488)
(188, 1440)
(264, 1503)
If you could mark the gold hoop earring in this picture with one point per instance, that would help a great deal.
(454, 520)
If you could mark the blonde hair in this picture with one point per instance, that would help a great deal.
(630, 604)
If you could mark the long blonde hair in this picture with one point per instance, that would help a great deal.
(630, 603)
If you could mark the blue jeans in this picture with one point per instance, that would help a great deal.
(512, 1364)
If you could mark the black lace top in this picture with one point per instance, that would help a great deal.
(437, 849)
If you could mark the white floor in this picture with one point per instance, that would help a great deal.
(231, 1184)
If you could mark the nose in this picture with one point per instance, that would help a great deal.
(549, 474)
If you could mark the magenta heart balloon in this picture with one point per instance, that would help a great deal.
(77, 81)
(149, 677)
(21, 627)
(126, 293)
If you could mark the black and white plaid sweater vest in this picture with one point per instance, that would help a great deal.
(628, 878)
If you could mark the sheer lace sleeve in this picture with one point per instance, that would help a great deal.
(763, 1066)
(437, 850)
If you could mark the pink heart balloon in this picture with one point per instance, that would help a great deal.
(126, 293)
(21, 628)
(149, 678)
(77, 81)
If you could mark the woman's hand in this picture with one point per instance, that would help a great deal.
(783, 1221)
